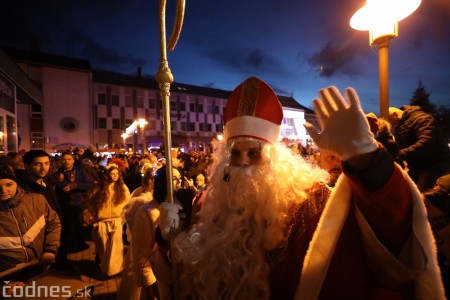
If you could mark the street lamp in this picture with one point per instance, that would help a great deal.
(124, 137)
(380, 18)
(142, 123)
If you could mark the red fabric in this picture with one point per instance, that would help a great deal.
(254, 97)
(387, 208)
(348, 276)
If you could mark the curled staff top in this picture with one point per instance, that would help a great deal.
(178, 24)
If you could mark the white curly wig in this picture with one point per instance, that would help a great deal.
(223, 256)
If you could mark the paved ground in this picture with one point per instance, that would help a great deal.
(83, 265)
(83, 276)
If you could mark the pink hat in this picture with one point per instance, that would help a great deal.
(253, 110)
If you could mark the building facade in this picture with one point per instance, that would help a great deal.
(120, 100)
(17, 91)
(80, 106)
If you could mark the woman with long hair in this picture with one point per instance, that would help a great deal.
(106, 202)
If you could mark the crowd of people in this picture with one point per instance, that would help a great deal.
(253, 218)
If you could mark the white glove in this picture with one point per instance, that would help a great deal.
(345, 127)
(169, 218)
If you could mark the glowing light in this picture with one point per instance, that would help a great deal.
(142, 123)
(377, 12)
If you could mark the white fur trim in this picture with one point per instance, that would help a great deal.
(323, 243)
(248, 126)
(428, 284)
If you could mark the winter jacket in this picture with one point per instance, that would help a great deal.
(420, 139)
(29, 184)
(28, 228)
(74, 197)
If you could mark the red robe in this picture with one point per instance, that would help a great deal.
(371, 241)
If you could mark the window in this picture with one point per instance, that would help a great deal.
(36, 112)
(37, 140)
(101, 98)
(183, 126)
(173, 105)
(128, 101)
(12, 133)
(208, 128)
(116, 123)
(200, 108)
(218, 128)
(191, 126)
(115, 100)
(209, 109)
(151, 125)
(140, 102)
(200, 127)
(192, 107)
(182, 106)
(151, 103)
(102, 123)
(173, 126)
(216, 109)
(128, 122)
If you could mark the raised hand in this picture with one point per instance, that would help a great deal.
(345, 129)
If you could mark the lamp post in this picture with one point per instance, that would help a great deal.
(142, 123)
(124, 138)
(380, 18)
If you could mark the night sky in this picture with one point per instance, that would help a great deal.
(297, 47)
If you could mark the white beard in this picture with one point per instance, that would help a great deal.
(224, 255)
(232, 237)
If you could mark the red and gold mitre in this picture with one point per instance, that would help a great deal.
(253, 110)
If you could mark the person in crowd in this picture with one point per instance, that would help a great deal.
(107, 202)
(250, 241)
(330, 162)
(197, 164)
(90, 153)
(437, 202)
(35, 177)
(184, 200)
(422, 144)
(381, 129)
(71, 184)
(17, 160)
(7, 161)
(133, 176)
(29, 228)
(144, 226)
(200, 182)
(130, 287)
(92, 169)
(146, 187)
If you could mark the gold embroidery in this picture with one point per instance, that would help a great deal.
(248, 97)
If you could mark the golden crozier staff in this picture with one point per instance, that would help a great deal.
(164, 78)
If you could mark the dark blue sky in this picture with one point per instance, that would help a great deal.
(296, 46)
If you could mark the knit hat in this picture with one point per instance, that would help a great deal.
(444, 183)
(253, 110)
(7, 173)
